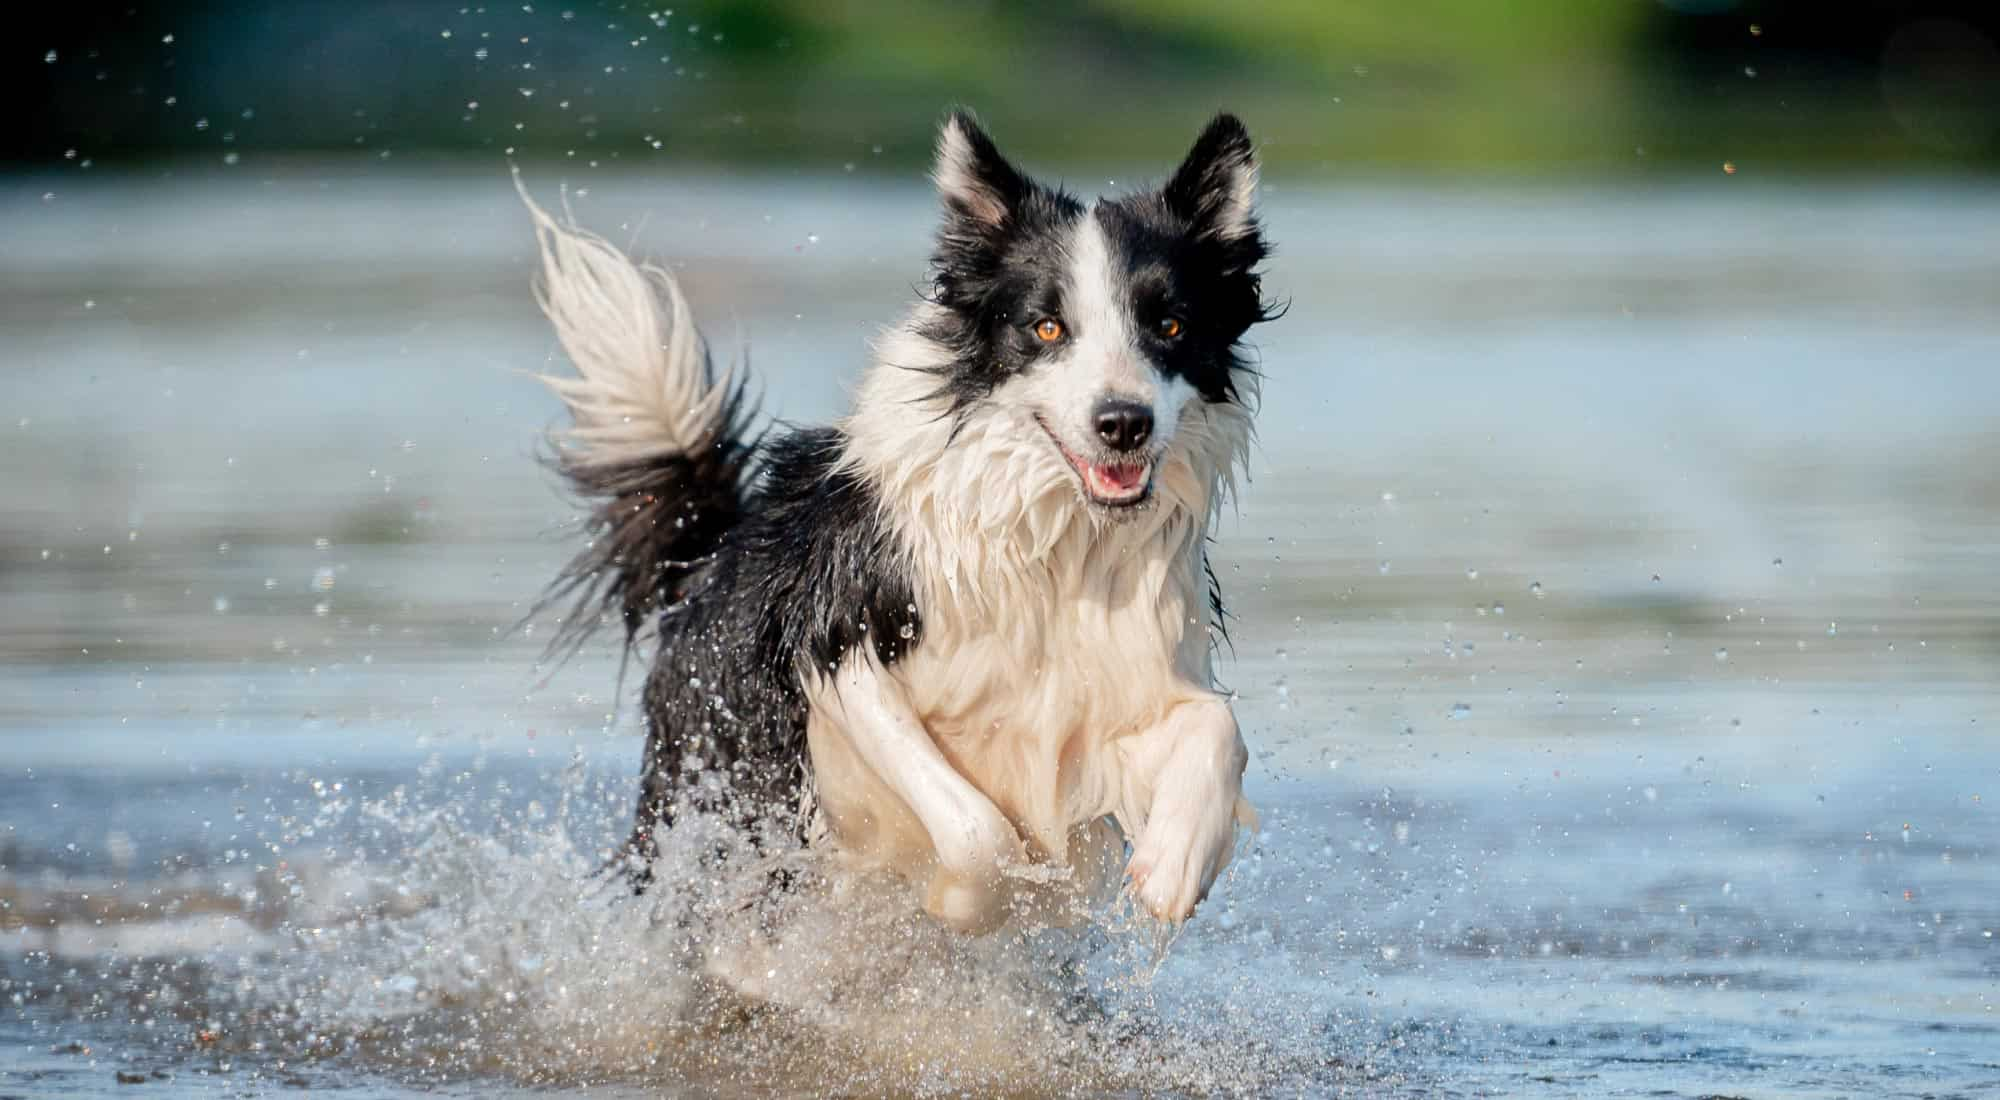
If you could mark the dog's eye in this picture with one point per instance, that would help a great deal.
(1048, 330)
(1168, 328)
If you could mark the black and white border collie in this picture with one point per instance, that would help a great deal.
(967, 630)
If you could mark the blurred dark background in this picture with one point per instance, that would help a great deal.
(1452, 86)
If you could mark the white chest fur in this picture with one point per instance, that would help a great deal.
(1053, 634)
(1029, 689)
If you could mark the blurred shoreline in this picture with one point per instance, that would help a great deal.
(29, 183)
(1538, 86)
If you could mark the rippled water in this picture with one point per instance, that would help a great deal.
(1617, 643)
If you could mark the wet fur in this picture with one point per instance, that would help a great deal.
(918, 614)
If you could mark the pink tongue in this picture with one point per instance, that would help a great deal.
(1121, 478)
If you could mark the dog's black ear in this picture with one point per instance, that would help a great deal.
(978, 186)
(1215, 188)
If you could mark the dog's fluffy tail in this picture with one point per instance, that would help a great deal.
(656, 447)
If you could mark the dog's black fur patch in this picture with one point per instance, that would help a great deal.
(764, 563)
(996, 279)
(809, 573)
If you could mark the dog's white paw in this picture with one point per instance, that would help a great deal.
(1182, 849)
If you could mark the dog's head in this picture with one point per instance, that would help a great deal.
(1101, 324)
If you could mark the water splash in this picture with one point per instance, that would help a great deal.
(469, 933)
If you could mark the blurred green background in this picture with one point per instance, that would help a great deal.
(1444, 86)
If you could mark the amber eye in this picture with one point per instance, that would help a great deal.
(1169, 327)
(1048, 330)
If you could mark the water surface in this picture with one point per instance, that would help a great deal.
(1616, 639)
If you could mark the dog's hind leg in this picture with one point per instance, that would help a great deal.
(720, 773)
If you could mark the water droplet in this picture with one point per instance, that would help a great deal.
(1461, 710)
(1535, 590)
(907, 631)
(1722, 654)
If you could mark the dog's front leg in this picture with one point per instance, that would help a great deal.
(973, 840)
(1184, 787)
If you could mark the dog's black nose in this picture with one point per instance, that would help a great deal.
(1123, 425)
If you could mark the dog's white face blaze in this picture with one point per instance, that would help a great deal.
(1101, 360)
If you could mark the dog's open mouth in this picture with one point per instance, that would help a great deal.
(1110, 484)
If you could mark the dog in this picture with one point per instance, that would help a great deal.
(968, 629)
